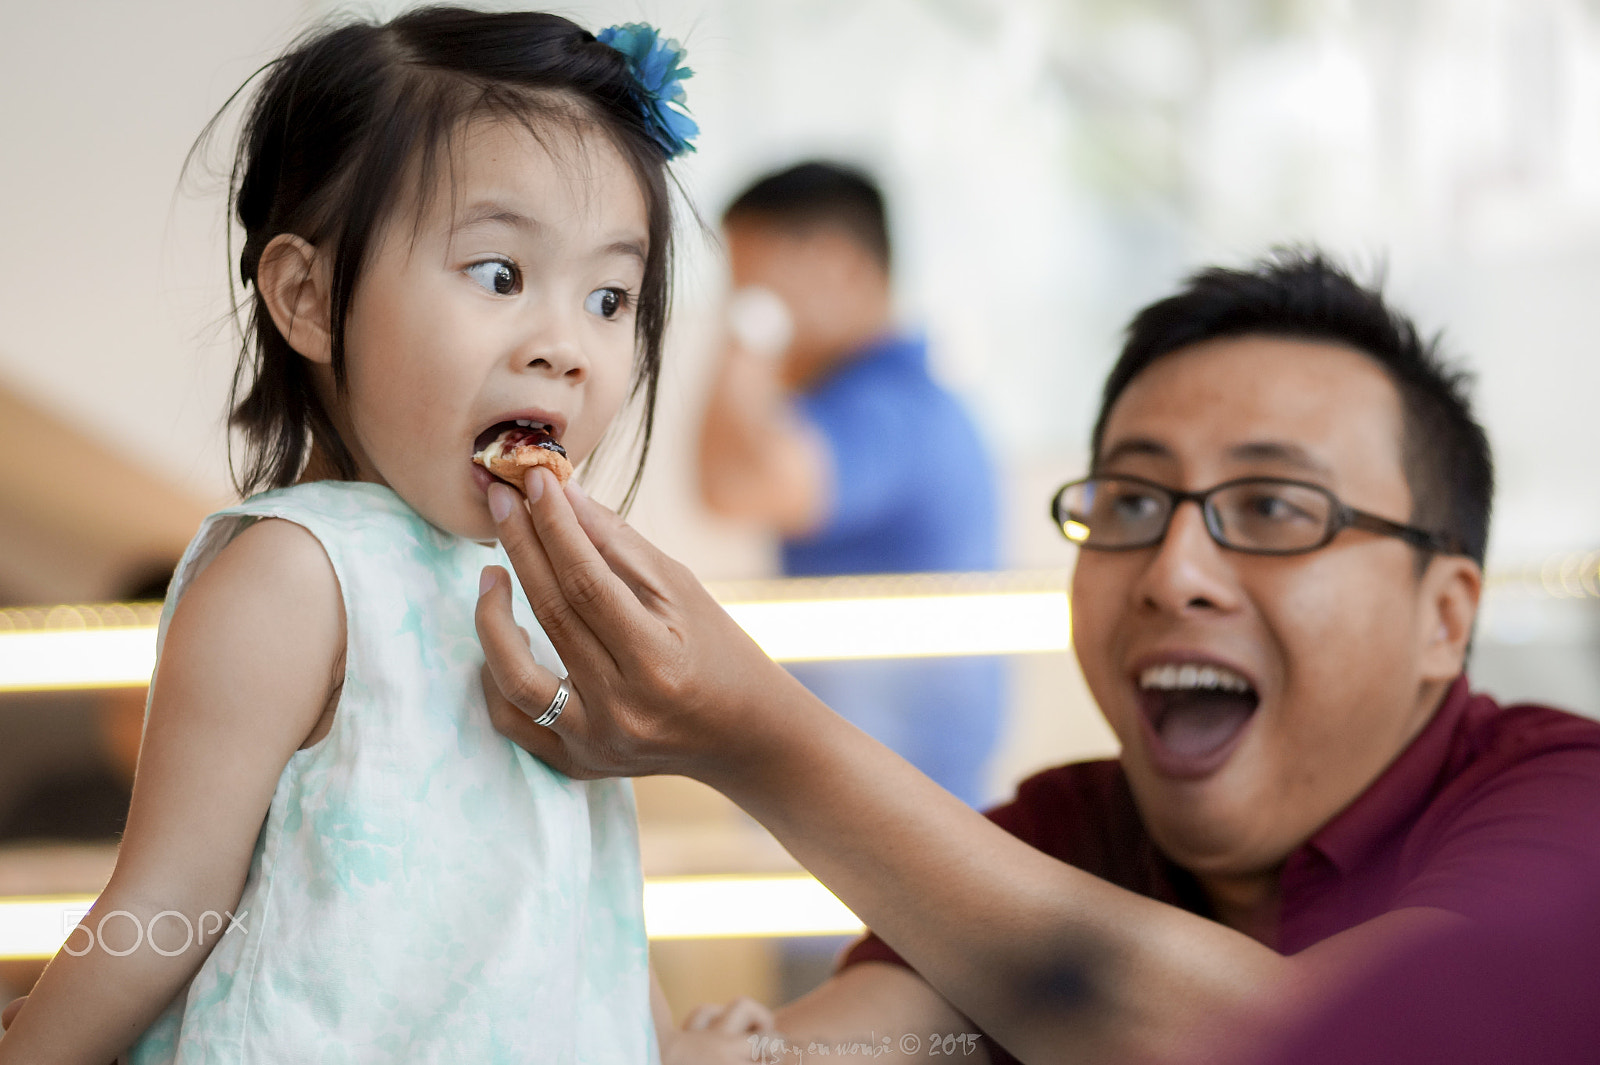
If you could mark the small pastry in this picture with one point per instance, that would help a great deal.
(515, 451)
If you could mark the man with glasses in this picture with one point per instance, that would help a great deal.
(1283, 535)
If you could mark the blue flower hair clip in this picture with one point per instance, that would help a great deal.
(659, 74)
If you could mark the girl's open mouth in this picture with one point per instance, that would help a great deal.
(516, 433)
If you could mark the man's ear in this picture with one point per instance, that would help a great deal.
(1451, 588)
(293, 279)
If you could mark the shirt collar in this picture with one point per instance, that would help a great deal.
(1396, 799)
(890, 349)
(907, 347)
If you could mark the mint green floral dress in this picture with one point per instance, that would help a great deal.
(422, 890)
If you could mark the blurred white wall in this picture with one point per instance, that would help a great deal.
(112, 282)
(1052, 164)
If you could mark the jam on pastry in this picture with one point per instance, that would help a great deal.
(516, 450)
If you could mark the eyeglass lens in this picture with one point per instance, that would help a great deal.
(1254, 515)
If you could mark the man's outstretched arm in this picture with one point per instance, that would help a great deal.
(1054, 963)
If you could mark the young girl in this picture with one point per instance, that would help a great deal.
(455, 223)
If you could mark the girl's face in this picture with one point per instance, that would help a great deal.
(513, 297)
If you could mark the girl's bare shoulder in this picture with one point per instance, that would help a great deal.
(271, 589)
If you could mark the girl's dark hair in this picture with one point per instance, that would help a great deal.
(335, 127)
(1301, 293)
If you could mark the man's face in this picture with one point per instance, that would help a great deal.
(819, 275)
(1334, 645)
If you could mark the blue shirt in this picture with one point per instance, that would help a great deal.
(913, 492)
(913, 489)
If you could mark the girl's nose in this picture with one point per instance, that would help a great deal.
(554, 349)
(560, 363)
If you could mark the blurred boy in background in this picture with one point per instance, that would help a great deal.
(825, 426)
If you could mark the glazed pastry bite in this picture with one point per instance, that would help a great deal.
(513, 452)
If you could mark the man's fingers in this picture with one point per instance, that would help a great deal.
(566, 629)
(647, 672)
(631, 557)
(516, 725)
(586, 582)
(516, 688)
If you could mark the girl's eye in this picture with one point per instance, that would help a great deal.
(606, 302)
(497, 276)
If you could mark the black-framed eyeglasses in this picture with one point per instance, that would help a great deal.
(1256, 515)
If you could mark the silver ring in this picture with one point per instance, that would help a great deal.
(558, 704)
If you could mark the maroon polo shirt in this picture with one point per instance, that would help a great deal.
(1485, 813)
(1522, 990)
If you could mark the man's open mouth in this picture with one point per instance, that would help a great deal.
(1196, 711)
(516, 433)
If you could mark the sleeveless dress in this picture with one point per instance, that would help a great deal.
(422, 890)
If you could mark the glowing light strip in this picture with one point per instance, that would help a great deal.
(57, 659)
(996, 623)
(702, 907)
(914, 615)
(683, 907)
(790, 630)
(36, 926)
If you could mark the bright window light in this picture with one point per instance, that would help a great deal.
(996, 623)
(58, 659)
(794, 621)
(682, 907)
(700, 907)
(36, 926)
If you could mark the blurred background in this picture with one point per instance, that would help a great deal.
(1050, 165)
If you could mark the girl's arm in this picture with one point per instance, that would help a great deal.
(252, 654)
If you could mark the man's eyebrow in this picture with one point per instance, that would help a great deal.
(1137, 446)
(1283, 452)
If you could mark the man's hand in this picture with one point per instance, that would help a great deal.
(663, 680)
